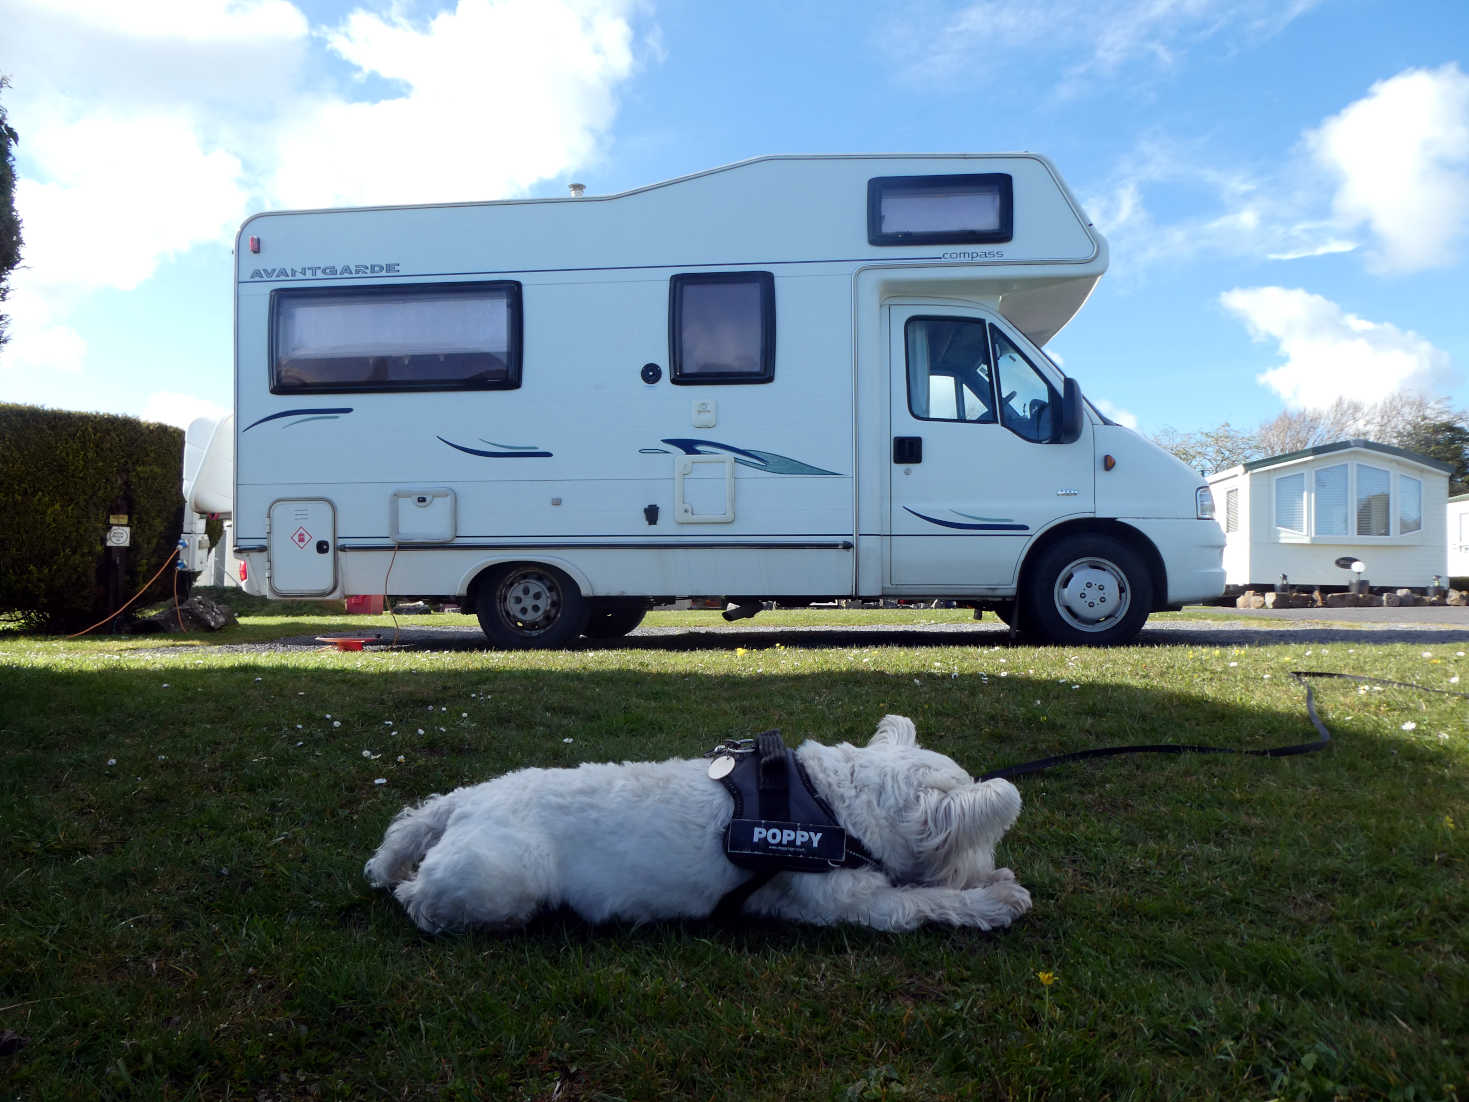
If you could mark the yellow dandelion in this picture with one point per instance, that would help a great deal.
(1448, 821)
(741, 651)
(1046, 978)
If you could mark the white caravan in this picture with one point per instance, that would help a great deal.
(790, 379)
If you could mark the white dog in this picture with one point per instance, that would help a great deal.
(645, 840)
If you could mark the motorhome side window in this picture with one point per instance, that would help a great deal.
(949, 376)
(428, 336)
(721, 328)
(966, 209)
(1029, 405)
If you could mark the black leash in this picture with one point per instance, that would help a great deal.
(1322, 743)
(733, 902)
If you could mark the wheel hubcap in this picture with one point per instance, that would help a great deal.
(1092, 594)
(531, 601)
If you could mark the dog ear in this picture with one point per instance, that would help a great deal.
(976, 815)
(895, 731)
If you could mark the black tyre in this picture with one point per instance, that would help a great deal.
(1091, 589)
(611, 621)
(529, 605)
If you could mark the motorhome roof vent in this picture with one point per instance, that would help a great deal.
(577, 190)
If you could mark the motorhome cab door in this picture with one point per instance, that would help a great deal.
(974, 474)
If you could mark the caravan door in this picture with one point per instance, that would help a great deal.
(974, 474)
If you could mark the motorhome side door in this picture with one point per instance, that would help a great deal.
(303, 547)
(973, 474)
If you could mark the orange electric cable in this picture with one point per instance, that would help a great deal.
(166, 564)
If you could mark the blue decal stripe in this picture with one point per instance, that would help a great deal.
(496, 455)
(299, 413)
(769, 462)
(970, 527)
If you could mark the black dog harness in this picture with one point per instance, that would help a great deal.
(780, 822)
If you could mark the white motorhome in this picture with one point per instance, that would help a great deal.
(789, 379)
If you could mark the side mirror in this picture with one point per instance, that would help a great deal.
(1073, 413)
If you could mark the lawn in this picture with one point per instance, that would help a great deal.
(183, 913)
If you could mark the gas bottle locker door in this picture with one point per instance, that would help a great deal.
(303, 547)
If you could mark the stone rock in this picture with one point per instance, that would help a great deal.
(412, 608)
(1249, 599)
(198, 613)
(1391, 600)
(1456, 597)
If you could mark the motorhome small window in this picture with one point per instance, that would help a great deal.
(973, 208)
(1410, 505)
(1290, 504)
(1231, 510)
(1029, 404)
(721, 328)
(949, 376)
(1374, 515)
(434, 336)
(1331, 501)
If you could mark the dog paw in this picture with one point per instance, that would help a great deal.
(1012, 896)
(996, 876)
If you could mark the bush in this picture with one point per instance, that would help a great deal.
(62, 475)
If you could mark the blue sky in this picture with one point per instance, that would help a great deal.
(1284, 184)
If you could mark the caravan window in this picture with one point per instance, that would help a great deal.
(949, 370)
(1374, 518)
(721, 328)
(1290, 504)
(426, 336)
(1410, 504)
(963, 209)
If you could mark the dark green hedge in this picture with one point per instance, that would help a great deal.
(61, 476)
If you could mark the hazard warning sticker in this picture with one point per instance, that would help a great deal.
(300, 537)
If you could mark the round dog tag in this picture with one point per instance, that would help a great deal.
(721, 767)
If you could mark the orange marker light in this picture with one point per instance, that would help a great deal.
(1108, 462)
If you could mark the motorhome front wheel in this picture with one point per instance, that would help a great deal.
(530, 605)
(1087, 589)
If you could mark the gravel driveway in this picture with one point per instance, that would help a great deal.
(1258, 627)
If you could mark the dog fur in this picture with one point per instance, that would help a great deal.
(644, 841)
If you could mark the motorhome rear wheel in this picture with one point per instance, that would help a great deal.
(529, 605)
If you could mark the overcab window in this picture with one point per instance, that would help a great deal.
(721, 327)
(973, 208)
(428, 336)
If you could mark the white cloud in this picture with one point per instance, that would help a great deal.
(1400, 156)
(153, 129)
(1117, 413)
(40, 347)
(118, 193)
(179, 409)
(1390, 170)
(1137, 36)
(1329, 353)
(494, 97)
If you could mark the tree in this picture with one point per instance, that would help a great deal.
(1428, 426)
(1210, 449)
(9, 221)
(1447, 441)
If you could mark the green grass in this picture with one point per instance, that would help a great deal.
(183, 913)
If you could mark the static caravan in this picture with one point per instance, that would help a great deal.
(1297, 514)
(1458, 533)
(789, 379)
